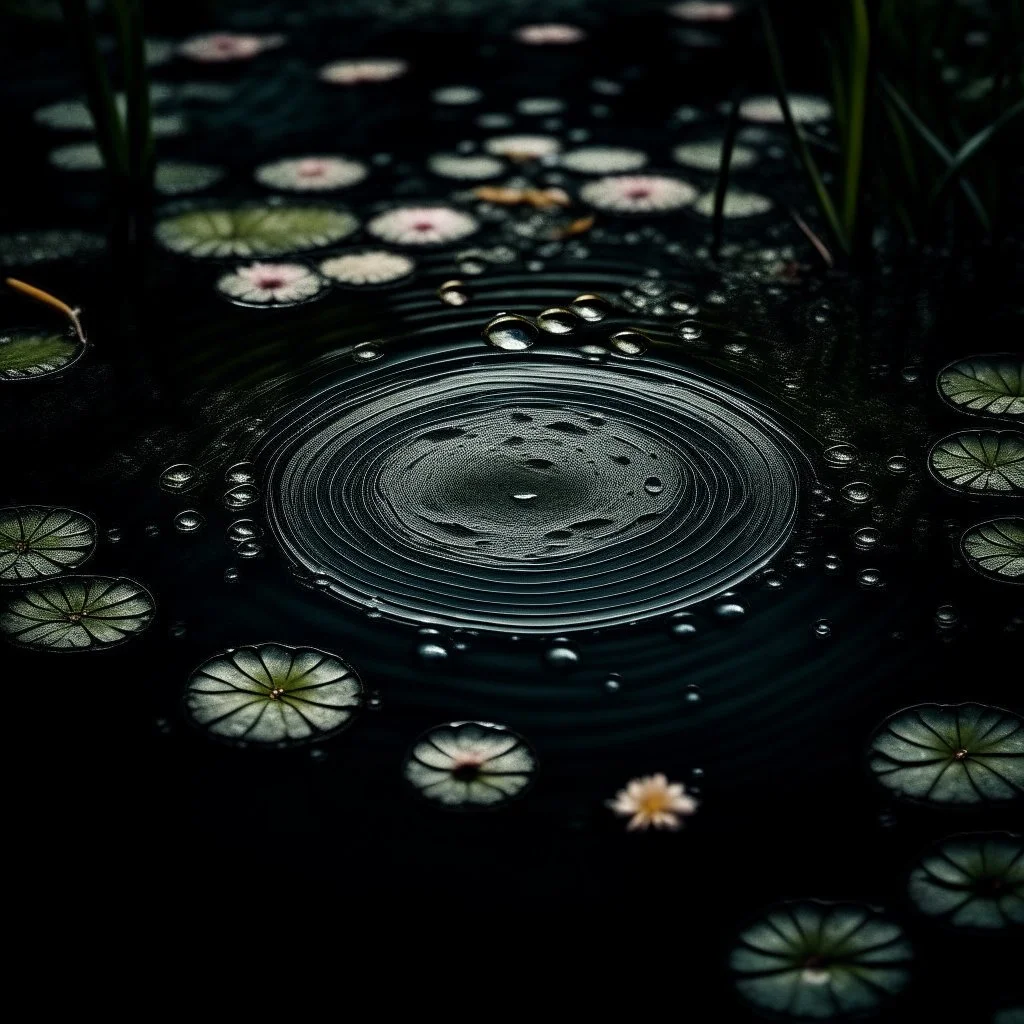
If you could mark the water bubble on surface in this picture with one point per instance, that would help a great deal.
(692, 694)
(241, 496)
(594, 353)
(561, 655)
(630, 343)
(683, 625)
(231, 575)
(690, 331)
(729, 610)
(151, 530)
(453, 293)
(432, 652)
(841, 455)
(857, 493)
(558, 321)
(511, 332)
(592, 308)
(113, 535)
(189, 521)
(367, 352)
(652, 485)
(177, 630)
(867, 538)
(833, 563)
(870, 579)
(178, 477)
(249, 549)
(242, 530)
(946, 616)
(898, 465)
(823, 628)
(613, 683)
(240, 473)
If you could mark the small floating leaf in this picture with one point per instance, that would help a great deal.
(980, 461)
(996, 549)
(944, 754)
(273, 695)
(814, 960)
(991, 385)
(38, 541)
(972, 881)
(77, 613)
(36, 352)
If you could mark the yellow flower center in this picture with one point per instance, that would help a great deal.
(654, 802)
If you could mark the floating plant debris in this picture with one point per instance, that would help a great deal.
(538, 198)
(271, 284)
(368, 267)
(767, 110)
(273, 695)
(222, 47)
(38, 541)
(638, 193)
(28, 353)
(181, 177)
(988, 385)
(996, 549)
(311, 173)
(603, 159)
(972, 881)
(813, 960)
(653, 802)
(980, 461)
(470, 765)
(738, 204)
(523, 147)
(707, 156)
(77, 613)
(942, 754)
(549, 34)
(359, 72)
(253, 229)
(422, 225)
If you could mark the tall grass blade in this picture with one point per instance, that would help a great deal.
(856, 114)
(724, 166)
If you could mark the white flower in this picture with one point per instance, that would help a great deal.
(737, 204)
(355, 72)
(373, 266)
(638, 193)
(549, 34)
(456, 95)
(653, 800)
(603, 159)
(703, 10)
(707, 156)
(311, 173)
(422, 225)
(523, 147)
(767, 110)
(265, 284)
(465, 168)
(470, 764)
(226, 46)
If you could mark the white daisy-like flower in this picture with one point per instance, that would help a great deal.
(79, 156)
(538, 106)
(311, 173)
(422, 225)
(703, 10)
(470, 765)
(457, 95)
(603, 159)
(768, 110)
(356, 72)
(367, 267)
(738, 204)
(271, 284)
(707, 156)
(465, 168)
(550, 34)
(653, 801)
(523, 147)
(638, 193)
(218, 47)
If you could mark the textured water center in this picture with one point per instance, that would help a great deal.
(528, 494)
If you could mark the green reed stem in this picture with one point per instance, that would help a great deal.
(132, 43)
(856, 94)
(724, 167)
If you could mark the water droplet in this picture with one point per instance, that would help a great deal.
(114, 535)
(179, 477)
(241, 496)
(591, 308)
(857, 493)
(689, 330)
(841, 455)
(772, 580)
(152, 531)
(243, 529)
(524, 496)
(318, 755)
(453, 293)
(613, 683)
(683, 625)
(898, 465)
(231, 575)
(870, 579)
(177, 630)
(561, 656)
(630, 343)
(729, 610)
(189, 521)
(833, 563)
(240, 473)
(557, 321)
(823, 628)
(510, 332)
(946, 616)
(374, 702)
(594, 353)
(693, 694)
(432, 652)
(249, 549)
(652, 485)
(367, 352)
(866, 538)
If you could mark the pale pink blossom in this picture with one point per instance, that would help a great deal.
(652, 801)
(368, 267)
(550, 34)
(703, 10)
(216, 47)
(266, 284)
(422, 225)
(638, 193)
(311, 173)
(355, 72)
(523, 147)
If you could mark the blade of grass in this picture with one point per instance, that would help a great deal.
(810, 167)
(724, 166)
(131, 38)
(860, 43)
(819, 245)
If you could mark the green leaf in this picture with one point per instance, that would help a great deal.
(996, 549)
(37, 541)
(980, 461)
(990, 385)
(37, 352)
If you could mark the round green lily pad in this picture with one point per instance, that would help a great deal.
(950, 754)
(254, 229)
(77, 613)
(273, 695)
(809, 960)
(29, 352)
(37, 541)
(996, 549)
(988, 385)
(980, 461)
(972, 881)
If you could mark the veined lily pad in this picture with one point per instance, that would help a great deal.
(77, 613)
(989, 385)
(37, 541)
(972, 881)
(254, 229)
(944, 754)
(980, 461)
(810, 960)
(30, 352)
(273, 695)
(996, 549)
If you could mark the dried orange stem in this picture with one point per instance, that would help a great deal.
(50, 300)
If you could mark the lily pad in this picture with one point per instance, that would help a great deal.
(980, 461)
(77, 613)
(37, 541)
(272, 695)
(810, 960)
(996, 549)
(30, 352)
(972, 881)
(951, 754)
(988, 385)
(254, 229)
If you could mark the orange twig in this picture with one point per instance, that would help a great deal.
(49, 300)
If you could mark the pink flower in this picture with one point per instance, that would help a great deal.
(523, 147)
(549, 34)
(368, 267)
(653, 801)
(422, 225)
(225, 46)
(265, 284)
(638, 193)
(355, 72)
(311, 173)
(703, 10)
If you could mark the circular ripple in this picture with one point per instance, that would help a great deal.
(528, 494)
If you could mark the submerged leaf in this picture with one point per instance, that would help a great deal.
(38, 541)
(990, 385)
(980, 461)
(36, 352)
(996, 549)
(943, 754)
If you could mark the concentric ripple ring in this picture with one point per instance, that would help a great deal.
(527, 493)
